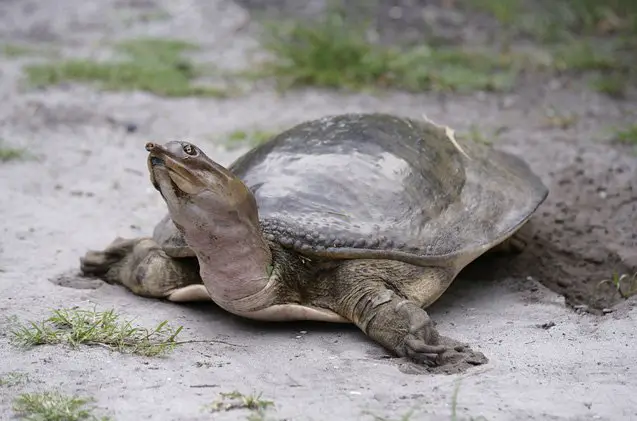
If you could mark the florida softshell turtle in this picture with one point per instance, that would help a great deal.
(356, 218)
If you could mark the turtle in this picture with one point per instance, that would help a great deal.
(363, 218)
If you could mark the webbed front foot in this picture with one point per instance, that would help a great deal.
(424, 344)
(403, 327)
(421, 341)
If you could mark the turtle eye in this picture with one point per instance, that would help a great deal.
(189, 149)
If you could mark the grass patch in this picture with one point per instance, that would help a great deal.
(12, 378)
(474, 134)
(583, 56)
(8, 153)
(506, 12)
(237, 400)
(593, 55)
(54, 406)
(582, 36)
(238, 138)
(627, 136)
(18, 50)
(592, 17)
(329, 53)
(625, 284)
(89, 327)
(614, 86)
(15, 50)
(609, 62)
(152, 65)
(551, 21)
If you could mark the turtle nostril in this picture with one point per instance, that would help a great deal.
(150, 146)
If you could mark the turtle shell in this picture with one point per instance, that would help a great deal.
(381, 186)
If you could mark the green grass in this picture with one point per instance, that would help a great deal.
(555, 20)
(8, 153)
(476, 135)
(153, 65)
(15, 50)
(76, 327)
(11, 154)
(583, 56)
(243, 137)
(613, 85)
(237, 400)
(628, 135)
(54, 406)
(595, 17)
(610, 62)
(625, 284)
(582, 36)
(330, 54)
(12, 378)
(506, 12)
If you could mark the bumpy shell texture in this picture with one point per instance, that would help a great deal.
(375, 185)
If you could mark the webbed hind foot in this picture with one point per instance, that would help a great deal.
(99, 263)
(143, 267)
(517, 242)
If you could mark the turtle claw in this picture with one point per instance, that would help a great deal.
(424, 345)
(422, 340)
(419, 351)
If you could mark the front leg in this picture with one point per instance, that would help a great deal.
(399, 325)
(386, 300)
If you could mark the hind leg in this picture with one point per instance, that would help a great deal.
(143, 267)
(516, 243)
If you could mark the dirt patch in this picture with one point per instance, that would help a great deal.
(586, 234)
(582, 235)
(74, 279)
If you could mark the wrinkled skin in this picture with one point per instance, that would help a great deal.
(229, 260)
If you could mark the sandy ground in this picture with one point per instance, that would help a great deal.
(87, 183)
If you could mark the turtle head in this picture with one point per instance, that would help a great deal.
(218, 217)
(198, 191)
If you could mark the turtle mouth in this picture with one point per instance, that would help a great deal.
(155, 161)
(166, 171)
(156, 164)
